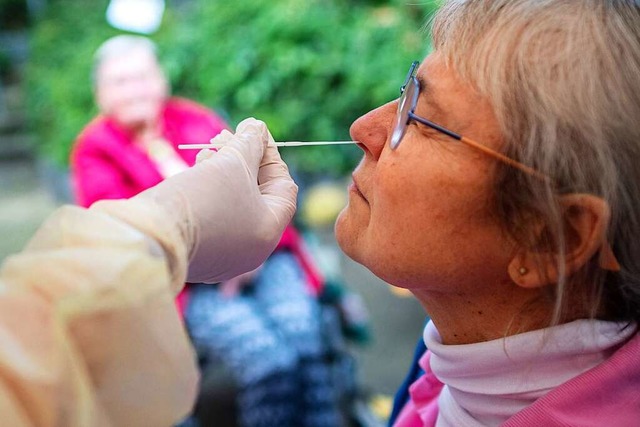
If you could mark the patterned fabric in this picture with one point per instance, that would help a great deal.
(269, 337)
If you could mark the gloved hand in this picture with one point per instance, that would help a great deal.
(230, 209)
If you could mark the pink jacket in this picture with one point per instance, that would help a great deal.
(106, 165)
(607, 395)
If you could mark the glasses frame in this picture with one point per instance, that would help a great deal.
(401, 124)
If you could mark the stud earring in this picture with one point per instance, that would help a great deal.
(523, 271)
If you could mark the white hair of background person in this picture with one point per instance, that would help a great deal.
(119, 46)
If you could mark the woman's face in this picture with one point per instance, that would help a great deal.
(131, 89)
(420, 216)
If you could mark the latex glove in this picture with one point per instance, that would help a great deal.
(230, 209)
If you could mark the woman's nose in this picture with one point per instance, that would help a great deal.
(372, 130)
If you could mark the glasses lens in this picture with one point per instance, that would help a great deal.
(406, 104)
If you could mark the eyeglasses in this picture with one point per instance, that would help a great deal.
(409, 92)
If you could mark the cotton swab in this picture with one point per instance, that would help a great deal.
(278, 144)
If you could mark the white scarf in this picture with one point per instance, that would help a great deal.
(488, 382)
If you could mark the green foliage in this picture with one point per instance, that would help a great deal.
(307, 68)
(59, 92)
(5, 65)
(13, 14)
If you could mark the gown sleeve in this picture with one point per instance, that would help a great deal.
(89, 332)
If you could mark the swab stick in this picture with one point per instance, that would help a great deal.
(278, 144)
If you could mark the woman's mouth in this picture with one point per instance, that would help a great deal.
(353, 188)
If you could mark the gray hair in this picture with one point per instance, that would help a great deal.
(118, 46)
(563, 77)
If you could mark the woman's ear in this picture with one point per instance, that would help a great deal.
(585, 221)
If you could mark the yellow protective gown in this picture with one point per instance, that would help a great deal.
(89, 333)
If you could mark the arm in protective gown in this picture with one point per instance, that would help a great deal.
(89, 334)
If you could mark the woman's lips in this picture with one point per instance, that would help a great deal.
(353, 188)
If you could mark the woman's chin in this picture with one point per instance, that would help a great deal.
(346, 233)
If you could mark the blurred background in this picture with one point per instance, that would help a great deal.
(308, 68)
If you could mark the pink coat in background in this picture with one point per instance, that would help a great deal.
(105, 163)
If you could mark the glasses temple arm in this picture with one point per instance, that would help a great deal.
(499, 156)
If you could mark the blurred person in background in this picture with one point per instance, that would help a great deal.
(263, 326)
(133, 143)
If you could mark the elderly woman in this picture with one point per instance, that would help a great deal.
(133, 143)
(501, 189)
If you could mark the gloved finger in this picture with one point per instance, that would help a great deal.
(205, 154)
(272, 167)
(223, 138)
(249, 141)
(278, 189)
(279, 192)
(280, 199)
(273, 176)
